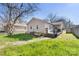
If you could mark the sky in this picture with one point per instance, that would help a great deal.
(67, 10)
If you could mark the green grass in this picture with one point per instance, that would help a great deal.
(64, 45)
(17, 37)
(67, 36)
(21, 36)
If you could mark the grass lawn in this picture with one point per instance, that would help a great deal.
(63, 45)
(17, 37)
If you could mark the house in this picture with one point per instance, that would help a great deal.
(60, 25)
(39, 25)
(69, 28)
(18, 27)
(1, 27)
(36, 25)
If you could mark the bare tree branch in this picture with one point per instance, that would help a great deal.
(15, 11)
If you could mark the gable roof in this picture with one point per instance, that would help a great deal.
(34, 18)
(44, 21)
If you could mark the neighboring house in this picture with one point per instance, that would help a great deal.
(38, 25)
(69, 28)
(59, 25)
(18, 27)
(1, 27)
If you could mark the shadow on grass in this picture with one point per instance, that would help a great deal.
(75, 35)
(21, 36)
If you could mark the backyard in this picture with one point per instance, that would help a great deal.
(63, 45)
(17, 37)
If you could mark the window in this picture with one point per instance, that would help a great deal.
(31, 27)
(37, 27)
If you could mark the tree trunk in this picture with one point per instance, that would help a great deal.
(9, 28)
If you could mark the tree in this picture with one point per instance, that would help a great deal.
(64, 20)
(15, 11)
(51, 17)
(67, 22)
